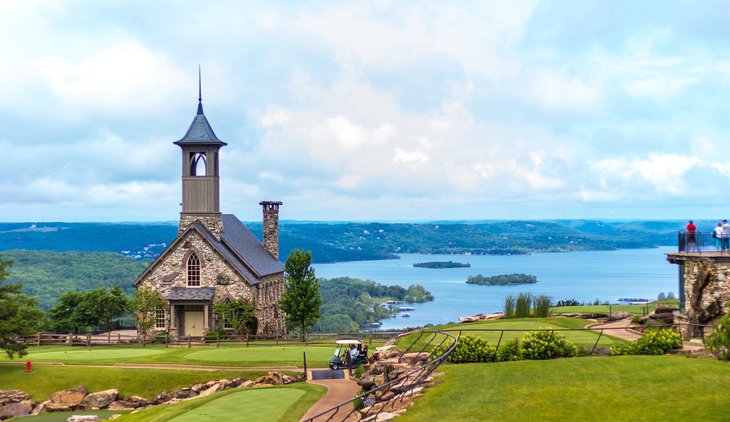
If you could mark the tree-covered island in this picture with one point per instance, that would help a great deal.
(502, 280)
(441, 264)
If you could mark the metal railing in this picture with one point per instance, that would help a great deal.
(701, 242)
(374, 401)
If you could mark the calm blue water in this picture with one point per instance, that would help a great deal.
(584, 276)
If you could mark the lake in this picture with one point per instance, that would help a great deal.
(584, 276)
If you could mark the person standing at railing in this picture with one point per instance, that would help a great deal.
(717, 234)
(725, 234)
(691, 236)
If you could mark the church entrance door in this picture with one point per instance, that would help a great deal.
(194, 320)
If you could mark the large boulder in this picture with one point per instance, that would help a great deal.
(13, 410)
(12, 396)
(123, 405)
(100, 399)
(83, 418)
(67, 399)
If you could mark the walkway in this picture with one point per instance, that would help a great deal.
(620, 329)
(338, 391)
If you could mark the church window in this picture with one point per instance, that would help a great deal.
(198, 164)
(193, 265)
(160, 318)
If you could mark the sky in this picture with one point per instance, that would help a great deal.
(368, 110)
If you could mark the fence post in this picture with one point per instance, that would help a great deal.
(610, 311)
(119, 337)
(38, 339)
(88, 339)
(217, 340)
(188, 342)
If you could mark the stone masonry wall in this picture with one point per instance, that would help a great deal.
(212, 222)
(707, 290)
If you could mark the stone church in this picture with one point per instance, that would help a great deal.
(214, 258)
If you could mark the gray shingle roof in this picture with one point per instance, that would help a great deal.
(193, 293)
(200, 131)
(248, 248)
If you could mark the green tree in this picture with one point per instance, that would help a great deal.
(301, 300)
(99, 307)
(65, 315)
(238, 314)
(145, 304)
(19, 315)
(719, 341)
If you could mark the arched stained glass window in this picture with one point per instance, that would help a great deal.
(193, 271)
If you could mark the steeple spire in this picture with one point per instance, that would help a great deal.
(200, 93)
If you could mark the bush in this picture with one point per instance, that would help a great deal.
(359, 371)
(541, 306)
(216, 333)
(522, 305)
(509, 307)
(160, 337)
(509, 351)
(653, 342)
(470, 349)
(539, 345)
(568, 302)
(719, 341)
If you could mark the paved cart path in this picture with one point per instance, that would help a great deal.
(338, 391)
(621, 329)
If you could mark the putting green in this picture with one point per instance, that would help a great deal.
(83, 355)
(263, 405)
(273, 354)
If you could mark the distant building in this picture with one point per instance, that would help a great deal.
(214, 258)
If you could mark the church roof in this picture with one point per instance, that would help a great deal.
(194, 293)
(240, 239)
(200, 131)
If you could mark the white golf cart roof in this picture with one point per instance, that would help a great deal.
(349, 341)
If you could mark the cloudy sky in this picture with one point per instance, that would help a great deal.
(368, 110)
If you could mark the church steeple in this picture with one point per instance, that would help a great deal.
(200, 171)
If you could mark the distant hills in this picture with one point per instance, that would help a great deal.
(350, 241)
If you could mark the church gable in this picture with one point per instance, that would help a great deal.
(192, 262)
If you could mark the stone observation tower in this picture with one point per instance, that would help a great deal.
(704, 288)
(215, 258)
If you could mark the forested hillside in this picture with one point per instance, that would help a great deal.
(46, 274)
(333, 242)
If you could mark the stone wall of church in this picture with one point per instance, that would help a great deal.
(212, 222)
(268, 312)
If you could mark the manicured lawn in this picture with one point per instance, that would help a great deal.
(621, 388)
(45, 380)
(515, 328)
(286, 403)
(63, 416)
(284, 355)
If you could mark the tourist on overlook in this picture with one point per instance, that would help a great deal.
(691, 236)
(725, 234)
(717, 234)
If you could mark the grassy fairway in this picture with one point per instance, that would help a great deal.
(45, 380)
(623, 388)
(284, 355)
(517, 327)
(287, 403)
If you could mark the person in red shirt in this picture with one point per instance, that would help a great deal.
(691, 236)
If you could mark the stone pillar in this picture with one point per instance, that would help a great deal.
(271, 226)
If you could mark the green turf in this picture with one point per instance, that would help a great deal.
(45, 380)
(622, 388)
(229, 355)
(63, 416)
(286, 403)
(515, 328)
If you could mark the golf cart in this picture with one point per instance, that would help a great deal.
(357, 351)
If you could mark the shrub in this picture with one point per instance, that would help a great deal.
(567, 302)
(522, 305)
(719, 341)
(509, 351)
(469, 349)
(539, 345)
(541, 306)
(359, 371)
(635, 319)
(216, 333)
(509, 307)
(160, 337)
(653, 342)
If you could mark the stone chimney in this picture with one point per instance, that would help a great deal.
(271, 226)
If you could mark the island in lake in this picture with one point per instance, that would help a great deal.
(502, 280)
(441, 264)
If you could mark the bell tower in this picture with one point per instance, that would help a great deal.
(200, 173)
